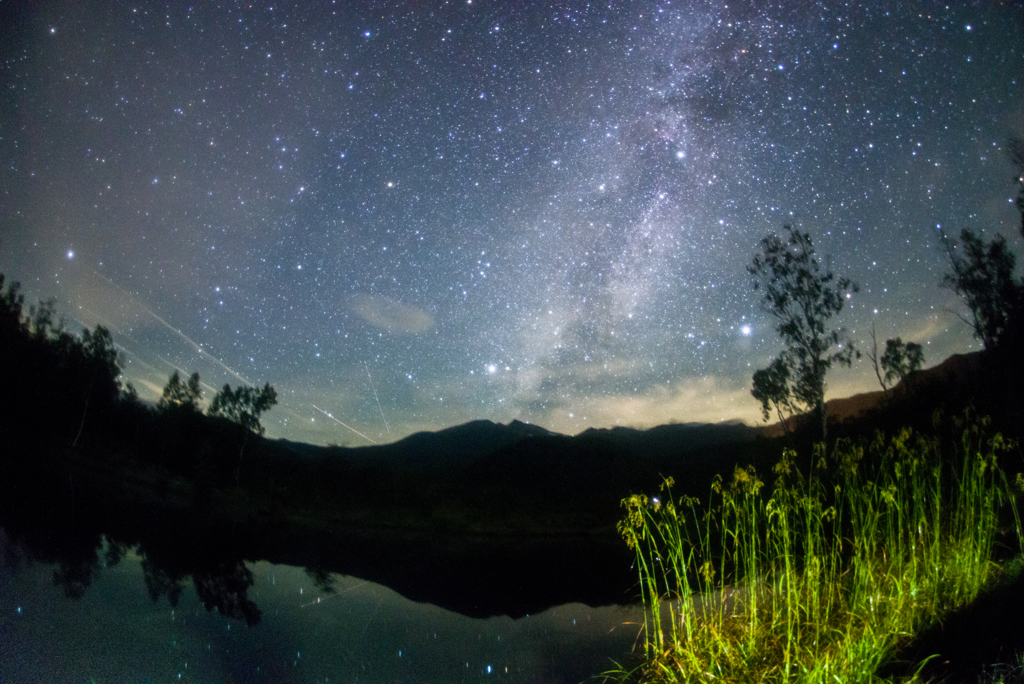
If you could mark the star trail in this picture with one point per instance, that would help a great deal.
(411, 215)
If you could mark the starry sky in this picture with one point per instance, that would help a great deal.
(410, 215)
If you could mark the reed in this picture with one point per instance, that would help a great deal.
(821, 578)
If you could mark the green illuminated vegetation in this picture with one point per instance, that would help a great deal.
(825, 576)
(838, 564)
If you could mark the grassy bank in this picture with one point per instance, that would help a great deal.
(831, 574)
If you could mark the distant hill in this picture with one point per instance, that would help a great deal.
(450, 447)
(486, 478)
(446, 516)
(461, 445)
(959, 380)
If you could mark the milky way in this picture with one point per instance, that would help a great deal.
(412, 215)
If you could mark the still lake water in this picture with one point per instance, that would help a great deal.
(359, 632)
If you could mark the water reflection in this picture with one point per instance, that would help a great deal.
(221, 579)
(100, 590)
(316, 626)
(475, 576)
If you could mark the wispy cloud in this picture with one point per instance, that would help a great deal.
(387, 314)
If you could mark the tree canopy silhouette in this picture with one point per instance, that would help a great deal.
(982, 276)
(897, 361)
(181, 395)
(244, 405)
(69, 379)
(802, 295)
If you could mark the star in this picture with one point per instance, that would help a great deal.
(563, 203)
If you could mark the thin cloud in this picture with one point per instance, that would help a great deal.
(387, 314)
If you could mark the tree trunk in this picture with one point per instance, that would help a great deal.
(823, 416)
(85, 412)
(238, 469)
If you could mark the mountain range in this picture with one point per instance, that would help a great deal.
(464, 445)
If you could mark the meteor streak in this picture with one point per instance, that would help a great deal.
(324, 598)
(340, 423)
(367, 367)
(198, 347)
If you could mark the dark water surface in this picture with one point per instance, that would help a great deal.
(97, 583)
(358, 631)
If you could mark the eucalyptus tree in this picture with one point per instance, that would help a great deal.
(803, 296)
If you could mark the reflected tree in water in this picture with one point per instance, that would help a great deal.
(78, 564)
(221, 584)
(115, 553)
(75, 575)
(162, 582)
(323, 579)
(225, 588)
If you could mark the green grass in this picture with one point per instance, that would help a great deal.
(1011, 673)
(823, 579)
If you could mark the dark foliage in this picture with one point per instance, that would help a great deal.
(982, 276)
(802, 295)
(181, 396)
(982, 273)
(244, 405)
(62, 393)
(55, 383)
(900, 360)
(897, 361)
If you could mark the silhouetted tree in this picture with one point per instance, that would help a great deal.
(181, 395)
(11, 303)
(224, 587)
(244, 406)
(897, 361)
(14, 393)
(900, 360)
(180, 423)
(771, 388)
(982, 273)
(44, 324)
(161, 581)
(52, 372)
(100, 370)
(983, 277)
(802, 296)
(130, 395)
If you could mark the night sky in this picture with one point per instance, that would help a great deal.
(410, 215)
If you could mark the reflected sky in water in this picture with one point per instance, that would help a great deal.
(362, 632)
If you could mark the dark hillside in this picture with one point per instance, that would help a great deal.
(482, 504)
